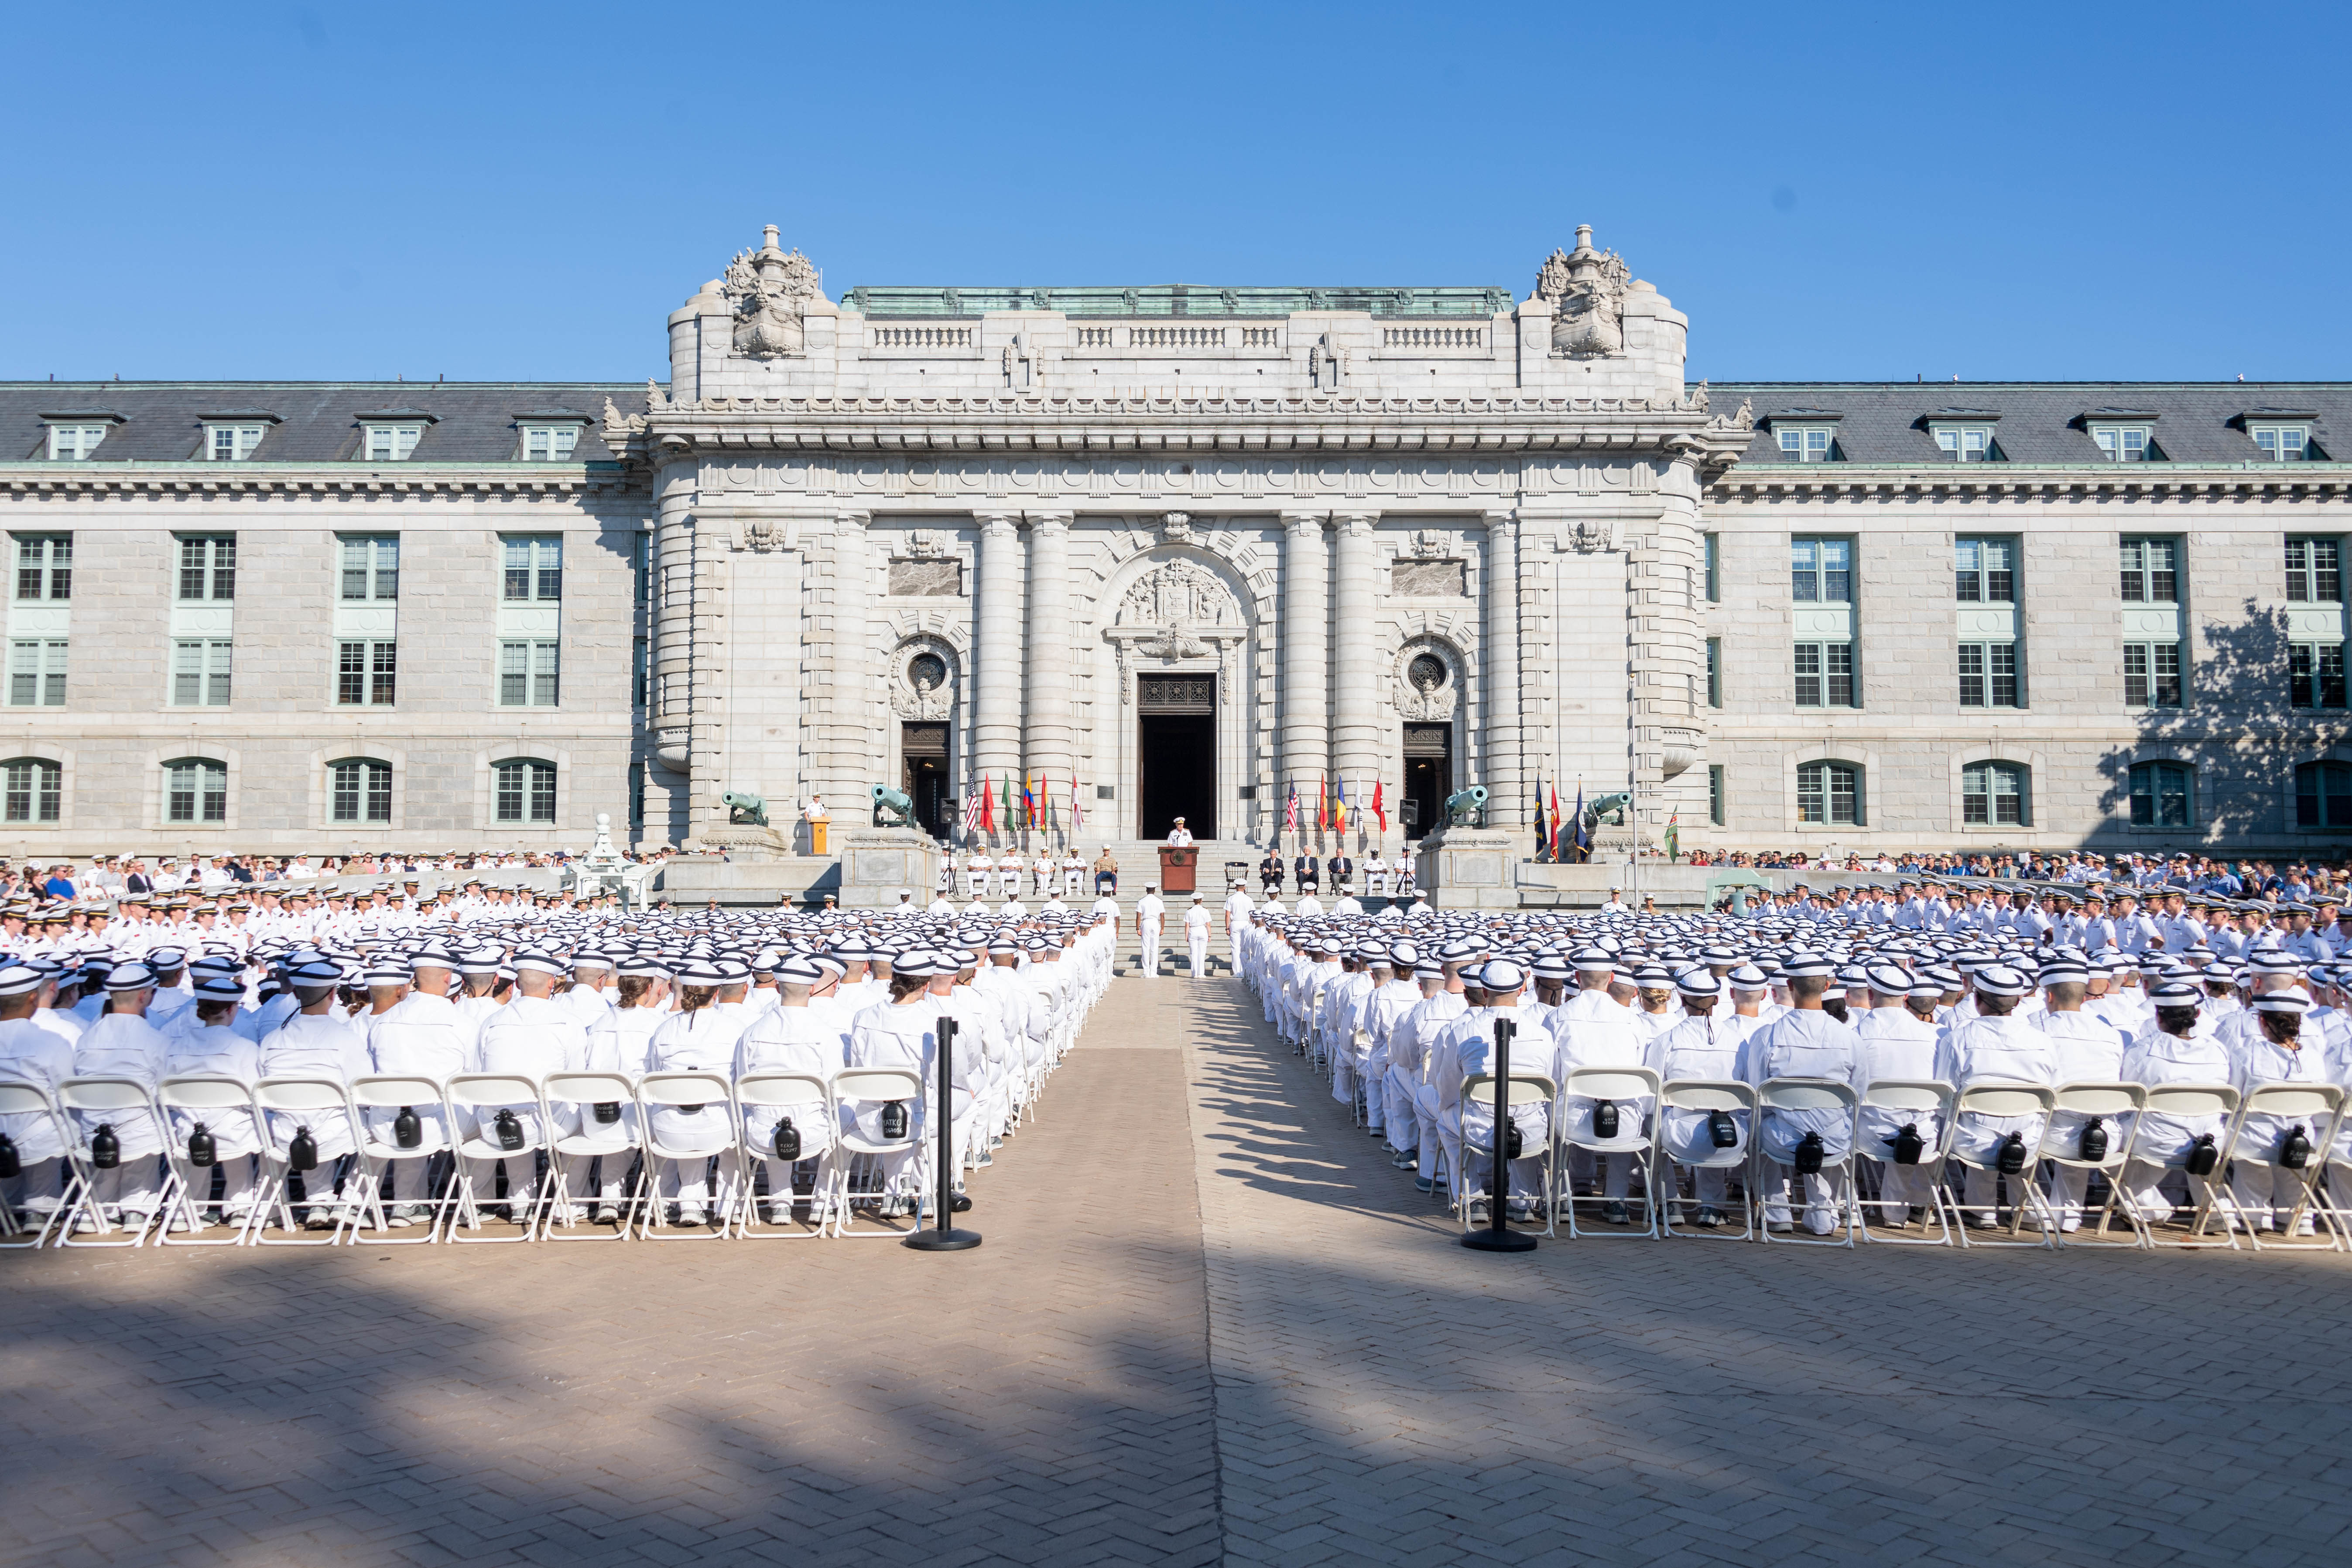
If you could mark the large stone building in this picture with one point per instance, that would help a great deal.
(1174, 550)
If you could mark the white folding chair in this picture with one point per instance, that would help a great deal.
(1524, 1089)
(99, 1098)
(1804, 1094)
(608, 1140)
(786, 1091)
(308, 1102)
(2115, 1107)
(673, 1090)
(22, 1096)
(1703, 1096)
(1614, 1084)
(198, 1094)
(1912, 1098)
(2183, 1101)
(2026, 1201)
(854, 1085)
(2319, 1105)
(435, 1136)
(2331, 1199)
(481, 1095)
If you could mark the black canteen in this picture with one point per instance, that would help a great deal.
(1721, 1129)
(1604, 1118)
(1511, 1142)
(509, 1129)
(202, 1148)
(11, 1163)
(105, 1148)
(2012, 1154)
(2092, 1144)
(1906, 1145)
(2294, 1152)
(1810, 1154)
(608, 1111)
(407, 1133)
(2202, 1157)
(302, 1152)
(788, 1140)
(894, 1120)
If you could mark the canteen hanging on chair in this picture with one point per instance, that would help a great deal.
(509, 1129)
(2092, 1144)
(2202, 1157)
(1809, 1153)
(607, 1111)
(407, 1133)
(1604, 1118)
(105, 1148)
(302, 1152)
(1906, 1145)
(202, 1150)
(1722, 1130)
(1511, 1142)
(2295, 1151)
(894, 1120)
(788, 1140)
(2011, 1159)
(11, 1163)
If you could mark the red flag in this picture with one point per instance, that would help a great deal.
(1380, 806)
(987, 807)
(1322, 803)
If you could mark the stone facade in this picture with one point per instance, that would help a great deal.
(1172, 546)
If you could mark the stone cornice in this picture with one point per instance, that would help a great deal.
(1972, 481)
(201, 480)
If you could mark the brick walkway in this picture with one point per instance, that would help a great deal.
(1207, 1325)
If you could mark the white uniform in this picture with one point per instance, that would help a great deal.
(1197, 924)
(1804, 1044)
(1896, 1043)
(811, 1039)
(1149, 915)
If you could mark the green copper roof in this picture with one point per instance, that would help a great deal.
(1174, 300)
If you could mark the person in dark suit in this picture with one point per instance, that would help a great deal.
(1309, 871)
(1269, 873)
(1343, 871)
(138, 881)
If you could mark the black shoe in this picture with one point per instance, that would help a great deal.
(1615, 1214)
(1710, 1217)
(960, 1204)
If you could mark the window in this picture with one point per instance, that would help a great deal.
(1825, 674)
(1821, 571)
(37, 672)
(638, 664)
(200, 673)
(1967, 443)
(31, 790)
(527, 675)
(2314, 674)
(548, 443)
(76, 443)
(1806, 443)
(2163, 794)
(1994, 794)
(366, 673)
(2152, 675)
(1714, 672)
(2323, 794)
(1829, 792)
(641, 565)
(1988, 675)
(526, 792)
(2126, 443)
(207, 567)
(360, 791)
(195, 791)
(44, 566)
(1985, 571)
(2314, 572)
(2151, 571)
(534, 568)
(232, 443)
(372, 567)
(2281, 443)
(389, 443)
(1715, 796)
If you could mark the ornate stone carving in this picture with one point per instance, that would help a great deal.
(1427, 688)
(1176, 528)
(1177, 612)
(1586, 288)
(923, 544)
(762, 533)
(1430, 544)
(923, 678)
(769, 289)
(1741, 419)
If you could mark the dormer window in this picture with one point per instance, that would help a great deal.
(1967, 443)
(2127, 443)
(1807, 443)
(389, 443)
(75, 443)
(2283, 443)
(232, 443)
(549, 435)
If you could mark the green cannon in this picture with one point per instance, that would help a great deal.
(742, 806)
(892, 807)
(1611, 808)
(1464, 805)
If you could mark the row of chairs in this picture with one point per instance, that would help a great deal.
(463, 1130)
(2319, 1189)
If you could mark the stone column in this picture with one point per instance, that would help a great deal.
(996, 658)
(853, 762)
(1498, 695)
(1048, 716)
(1306, 661)
(1355, 732)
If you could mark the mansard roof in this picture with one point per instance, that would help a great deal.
(2040, 422)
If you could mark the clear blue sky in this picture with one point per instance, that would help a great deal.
(486, 191)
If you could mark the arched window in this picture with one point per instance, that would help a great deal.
(2163, 794)
(2323, 794)
(32, 789)
(1829, 792)
(1998, 795)
(526, 792)
(359, 791)
(195, 789)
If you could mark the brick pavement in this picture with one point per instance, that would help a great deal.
(1251, 1341)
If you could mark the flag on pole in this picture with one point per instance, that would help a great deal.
(1007, 787)
(1290, 813)
(1340, 803)
(1322, 802)
(971, 813)
(1053, 824)
(1380, 807)
(987, 805)
(1674, 835)
(1558, 850)
(1078, 812)
(1582, 840)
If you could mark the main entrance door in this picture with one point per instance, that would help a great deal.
(1176, 754)
(924, 775)
(1428, 776)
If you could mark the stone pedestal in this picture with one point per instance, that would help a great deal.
(876, 862)
(1470, 867)
(742, 842)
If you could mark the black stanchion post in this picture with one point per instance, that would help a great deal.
(944, 1237)
(1498, 1237)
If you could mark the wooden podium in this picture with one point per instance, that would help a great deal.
(1177, 866)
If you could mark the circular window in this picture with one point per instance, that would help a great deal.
(1427, 672)
(927, 672)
